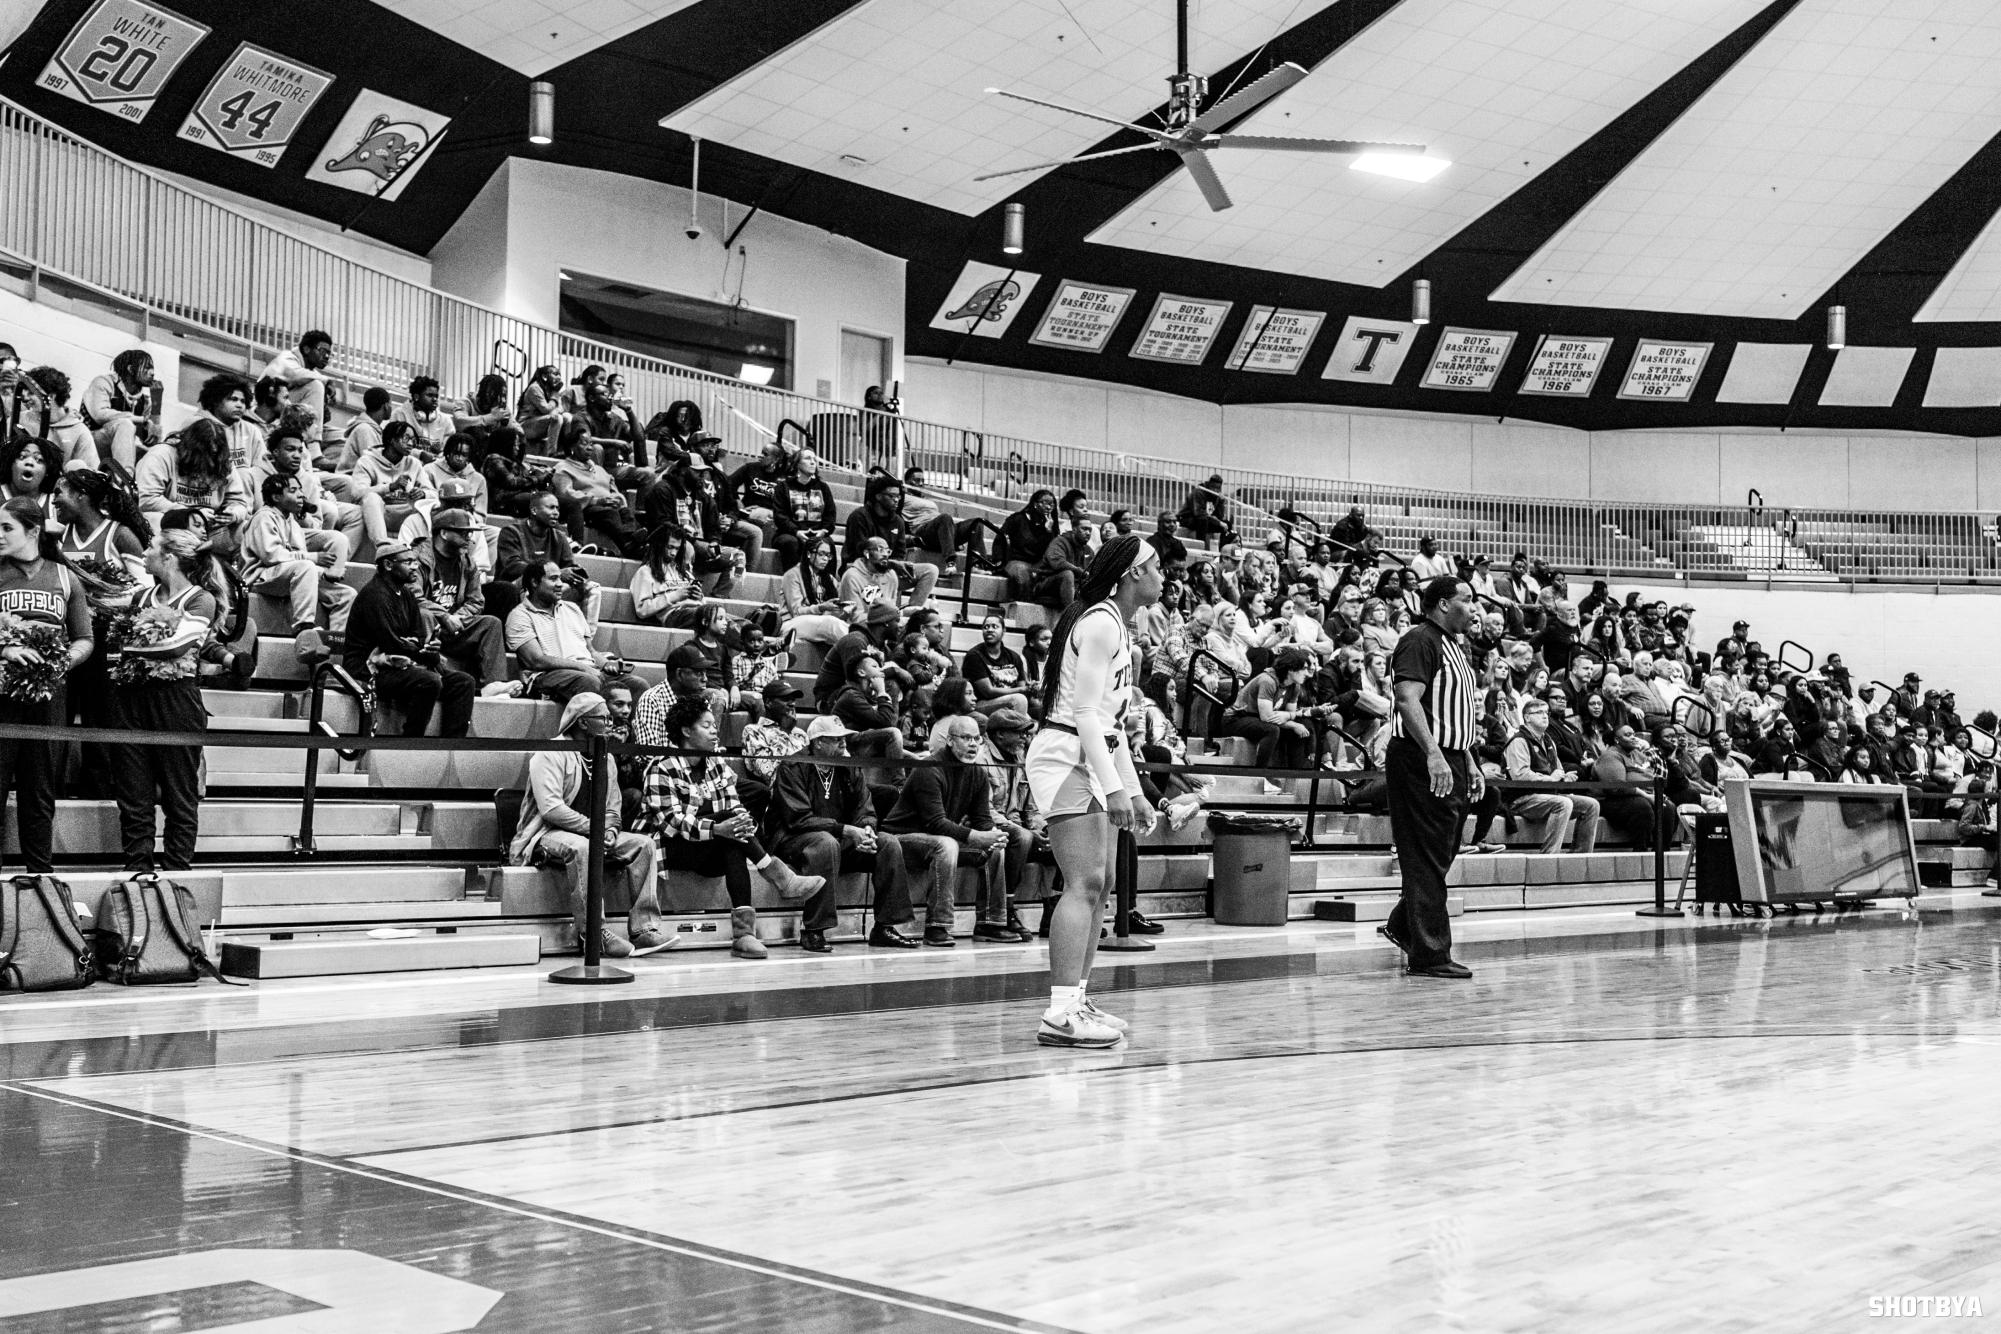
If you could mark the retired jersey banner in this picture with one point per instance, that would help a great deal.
(1565, 367)
(1370, 351)
(1274, 342)
(1081, 316)
(120, 55)
(254, 105)
(1181, 329)
(984, 300)
(1468, 360)
(1665, 372)
(378, 146)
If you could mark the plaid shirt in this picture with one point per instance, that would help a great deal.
(680, 801)
(765, 739)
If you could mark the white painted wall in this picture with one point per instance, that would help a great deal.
(1952, 639)
(81, 349)
(631, 230)
(1796, 469)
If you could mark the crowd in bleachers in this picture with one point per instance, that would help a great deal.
(473, 516)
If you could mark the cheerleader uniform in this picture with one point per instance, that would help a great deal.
(37, 592)
(1060, 777)
(89, 687)
(166, 778)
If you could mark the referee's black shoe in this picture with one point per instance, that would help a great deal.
(1389, 933)
(1142, 926)
(1446, 968)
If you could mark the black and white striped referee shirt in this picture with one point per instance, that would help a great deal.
(1433, 659)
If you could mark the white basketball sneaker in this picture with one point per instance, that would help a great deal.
(1077, 1028)
(1110, 1021)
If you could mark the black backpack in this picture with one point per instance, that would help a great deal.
(149, 933)
(42, 946)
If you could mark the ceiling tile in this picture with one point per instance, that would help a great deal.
(517, 33)
(1474, 80)
(1800, 160)
(1866, 377)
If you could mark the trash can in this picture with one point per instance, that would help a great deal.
(1251, 868)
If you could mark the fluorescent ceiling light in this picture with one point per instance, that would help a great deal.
(1403, 166)
(756, 374)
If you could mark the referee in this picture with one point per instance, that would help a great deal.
(1431, 772)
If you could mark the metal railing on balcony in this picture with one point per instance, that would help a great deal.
(71, 209)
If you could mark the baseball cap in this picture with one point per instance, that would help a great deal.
(391, 548)
(690, 654)
(1739, 625)
(452, 490)
(782, 690)
(1913, 676)
(1009, 720)
(881, 613)
(827, 725)
(696, 463)
(460, 520)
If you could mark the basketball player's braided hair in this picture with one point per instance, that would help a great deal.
(1101, 579)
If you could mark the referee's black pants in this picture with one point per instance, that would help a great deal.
(1426, 830)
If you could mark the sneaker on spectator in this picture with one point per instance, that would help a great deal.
(611, 946)
(996, 931)
(652, 942)
(500, 690)
(311, 646)
(1272, 789)
(1182, 809)
(1077, 1028)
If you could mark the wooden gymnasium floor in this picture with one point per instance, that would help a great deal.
(1714, 1124)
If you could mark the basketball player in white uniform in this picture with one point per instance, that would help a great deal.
(1081, 774)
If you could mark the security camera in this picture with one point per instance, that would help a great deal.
(694, 232)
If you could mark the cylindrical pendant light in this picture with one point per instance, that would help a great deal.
(541, 112)
(1420, 301)
(1837, 327)
(1014, 225)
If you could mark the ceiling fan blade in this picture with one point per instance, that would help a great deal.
(1049, 166)
(1290, 145)
(1078, 111)
(1254, 94)
(1206, 180)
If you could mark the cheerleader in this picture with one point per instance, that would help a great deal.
(157, 688)
(104, 535)
(37, 588)
(1081, 775)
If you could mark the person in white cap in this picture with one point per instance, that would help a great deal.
(1081, 775)
(822, 820)
(553, 832)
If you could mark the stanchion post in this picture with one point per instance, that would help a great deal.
(1660, 908)
(593, 969)
(1126, 892)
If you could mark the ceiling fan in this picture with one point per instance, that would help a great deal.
(1190, 129)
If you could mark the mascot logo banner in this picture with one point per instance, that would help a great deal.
(378, 146)
(984, 300)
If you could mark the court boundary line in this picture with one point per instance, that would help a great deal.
(911, 1301)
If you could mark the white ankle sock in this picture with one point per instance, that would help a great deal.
(764, 865)
(1062, 1000)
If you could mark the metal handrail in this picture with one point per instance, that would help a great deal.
(966, 573)
(1189, 686)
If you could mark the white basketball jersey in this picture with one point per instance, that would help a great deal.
(1118, 675)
